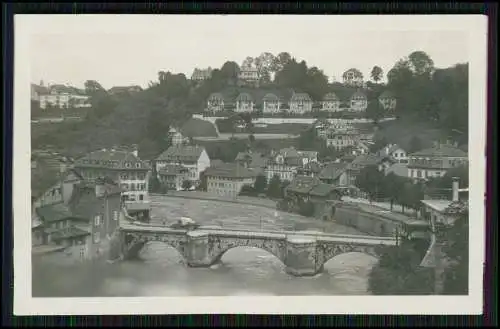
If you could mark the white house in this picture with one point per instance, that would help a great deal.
(396, 152)
(228, 179)
(331, 103)
(271, 104)
(340, 139)
(61, 96)
(215, 103)
(358, 102)
(387, 100)
(353, 77)
(435, 161)
(300, 103)
(201, 75)
(249, 74)
(194, 158)
(244, 103)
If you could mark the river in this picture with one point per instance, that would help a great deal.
(242, 271)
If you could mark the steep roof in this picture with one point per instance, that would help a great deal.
(245, 97)
(270, 97)
(300, 97)
(332, 170)
(42, 90)
(111, 159)
(331, 96)
(54, 212)
(322, 189)
(230, 170)
(441, 151)
(198, 128)
(69, 232)
(182, 153)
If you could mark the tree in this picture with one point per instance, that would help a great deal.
(393, 185)
(398, 273)
(260, 184)
(280, 61)
(421, 63)
(377, 73)
(247, 62)
(415, 144)
(375, 111)
(92, 88)
(306, 209)
(186, 184)
(251, 138)
(229, 72)
(456, 275)
(371, 181)
(203, 181)
(247, 190)
(274, 187)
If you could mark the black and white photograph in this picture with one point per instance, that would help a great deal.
(249, 164)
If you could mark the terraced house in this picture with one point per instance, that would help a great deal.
(84, 219)
(192, 157)
(125, 168)
(435, 161)
(228, 179)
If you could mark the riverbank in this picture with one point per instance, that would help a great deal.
(199, 195)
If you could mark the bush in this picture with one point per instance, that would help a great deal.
(306, 209)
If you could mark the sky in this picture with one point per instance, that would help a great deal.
(124, 50)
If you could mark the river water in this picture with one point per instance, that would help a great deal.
(242, 271)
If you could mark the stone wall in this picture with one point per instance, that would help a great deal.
(370, 223)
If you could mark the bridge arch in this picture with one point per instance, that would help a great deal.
(329, 252)
(135, 244)
(273, 247)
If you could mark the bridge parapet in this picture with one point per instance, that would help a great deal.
(302, 255)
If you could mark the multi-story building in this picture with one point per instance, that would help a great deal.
(61, 96)
(365, 160)
(358, 102)
(215, 103)
(331, 103)
(84, 220)
(353, 77)
(228, 179)
(125, 168)
(334, 174)
(285, 164)
(194, 158)
(300, 103)
(387, 100)
(342, 138)
(249, 75)
(201, 75)
(271, 104)
(244, 103)
(435, 161)
(172, 177)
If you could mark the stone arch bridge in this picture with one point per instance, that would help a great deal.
(302, 253)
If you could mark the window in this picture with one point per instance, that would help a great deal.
(141, 197)
(97, 220)
(141, 176)
(97, 237)
(115, 215)
(124, 176)
(132, 186)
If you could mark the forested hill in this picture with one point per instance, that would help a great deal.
(422, 92)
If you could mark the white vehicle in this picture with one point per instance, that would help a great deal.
(185, 222)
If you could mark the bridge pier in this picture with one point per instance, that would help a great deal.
(300, 259)
(198, 250)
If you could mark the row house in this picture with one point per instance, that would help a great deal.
(357, 102)
(244, 103)
(125, 168)
(300, 103)
(172, 176)
(61, 96)
(83, 221)
(192, 157)
(228, 179)
(201, 75)
(435, 161)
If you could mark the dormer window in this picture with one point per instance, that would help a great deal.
(128, 165)
(138, 165)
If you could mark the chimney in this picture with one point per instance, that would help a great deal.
(454, 188)
(135, 150)
(100, 188)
